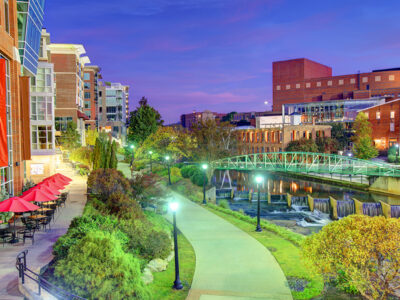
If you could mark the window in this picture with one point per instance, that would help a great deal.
(365, 79)
(391, 77)
(87, 95)
(42, 83)
(308, 85)
(6, 13)
(62, 122)
(288, 86)
(367, 114)
(377, 78)
(278, 87)
(41, 108)
(341, 81)
(42, 137)
(87, 104)
(391, 126)
(297, 85)
(87, 85)
(319, 83)
(86, 76)
(111, 109)
(392, 114)
(352, 80)
(378, 115)
(329, 83)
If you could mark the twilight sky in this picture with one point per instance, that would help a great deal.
(186, 55)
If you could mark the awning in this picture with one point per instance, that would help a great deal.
(81, 115)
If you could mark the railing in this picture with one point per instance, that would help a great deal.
(24, 272)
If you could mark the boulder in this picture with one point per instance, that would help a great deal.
(157, 265)
(147, 276)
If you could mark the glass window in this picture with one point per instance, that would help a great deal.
(6, 13)
(86, 76)
(378, 115)
(42, 137)
(392, 114)
(62, 122)
(41, 108)
(87, 95)
(87, 85)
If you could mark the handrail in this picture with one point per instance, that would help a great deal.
(25, 272)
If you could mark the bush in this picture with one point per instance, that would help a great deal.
(145, 241)
(123, 207)
(98, 268)
(391, 158)
(105, 182)
(176, 172)
(82, 155)
(224, 204)
(392, 151)
(188, 171)
(198, 178)
(140, 164)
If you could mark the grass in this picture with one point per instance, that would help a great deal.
(161, 287)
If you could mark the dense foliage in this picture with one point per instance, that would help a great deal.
(363, 145)
(365, 248)
(82, 155)
(341, 135)
(104, 154)
(195, 173)
(143, 121)
(327, 145)
(302, 145)
(70, 138)
(91, 136)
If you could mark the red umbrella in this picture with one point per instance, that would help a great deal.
(16, 204)
(38, 196)
(54, 184)
(58, 175)
(46, 188)
(57, 179)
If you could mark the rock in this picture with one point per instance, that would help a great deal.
(157, 265)
(147, 276)
(170, 256)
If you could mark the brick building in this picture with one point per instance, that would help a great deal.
(69, 64)
(276, 138)
(385, 121)
(91, 78)
(187, 120)
(303, 80)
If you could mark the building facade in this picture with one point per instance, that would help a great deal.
(188, 120)
(276, 138)
(91, 77)
(303, 80)
(385, 123)
(113, 111)
(69, 62)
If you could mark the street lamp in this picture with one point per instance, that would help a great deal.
(259, 180)
(204, 166)
(397, 149)
(151, 161)
(169, 172)
(133, 154)
(177, 283)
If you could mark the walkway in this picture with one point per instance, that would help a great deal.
(40, 253)
(230, 264)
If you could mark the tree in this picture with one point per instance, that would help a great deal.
(97, 154)
(339, 133)
(144, 121)
(327, 145)
(91, 136)
(214, 140)
(229, 117)
(363, 145)
(70, 139)
(302, 145)
(168, 141)
(113, 156)
(365, 249)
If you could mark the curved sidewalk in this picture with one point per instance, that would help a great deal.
(230, 264)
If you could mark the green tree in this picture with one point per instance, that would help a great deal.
(363, 145)
(113, 156)
(327, 145)
(91, 136)
(339, 133)
(365, 249)
(70, 139)
(229, 117)
(98, 154)
(144, 121)
(302, 145)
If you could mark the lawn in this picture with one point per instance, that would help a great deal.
(285, 252)
(161, 287)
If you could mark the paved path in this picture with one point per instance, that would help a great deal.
(40, 253)
(230, 264)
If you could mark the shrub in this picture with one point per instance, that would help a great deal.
(105, 182)
(392, 151)
(391, 158)
(140, 164)
(145, 241)
(198, 178)
(224, 204)
(365, 248)
(82, 155)
(123, 207)
(188, 171)
(98, 268)
(176, 172)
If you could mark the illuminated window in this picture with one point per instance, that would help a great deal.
(278, 87)
(297, 85)
(352, 80)
(341, 81)
(367, 114)
(308, 85)
(378, 115)
(319, 83)
(392, 127)
(391, 77)
(377, 78)
(329, 83)
(365, 79)
(392, 114)
(288, 86)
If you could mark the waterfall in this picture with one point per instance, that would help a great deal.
(279, 199)
(301, 201)
(263, 196)
(395, 211)
(223, 194)
(241, 195)
(345, 208)
(322, 205)
(372, 209)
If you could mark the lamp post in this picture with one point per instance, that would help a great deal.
(177, 283)
(204, 166)
(151, 161)
(169, 172)
(133, 154)
(259, 180)
(397, 150)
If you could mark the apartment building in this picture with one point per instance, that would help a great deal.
(91, 77)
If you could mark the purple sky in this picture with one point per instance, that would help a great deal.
(186, 55)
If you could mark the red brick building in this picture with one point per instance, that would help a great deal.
(385, 121)
(91, 78)
(303, 80)
(187, 120)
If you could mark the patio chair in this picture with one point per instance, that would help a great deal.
(29, 234)
(44, 222)
(5, 235)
